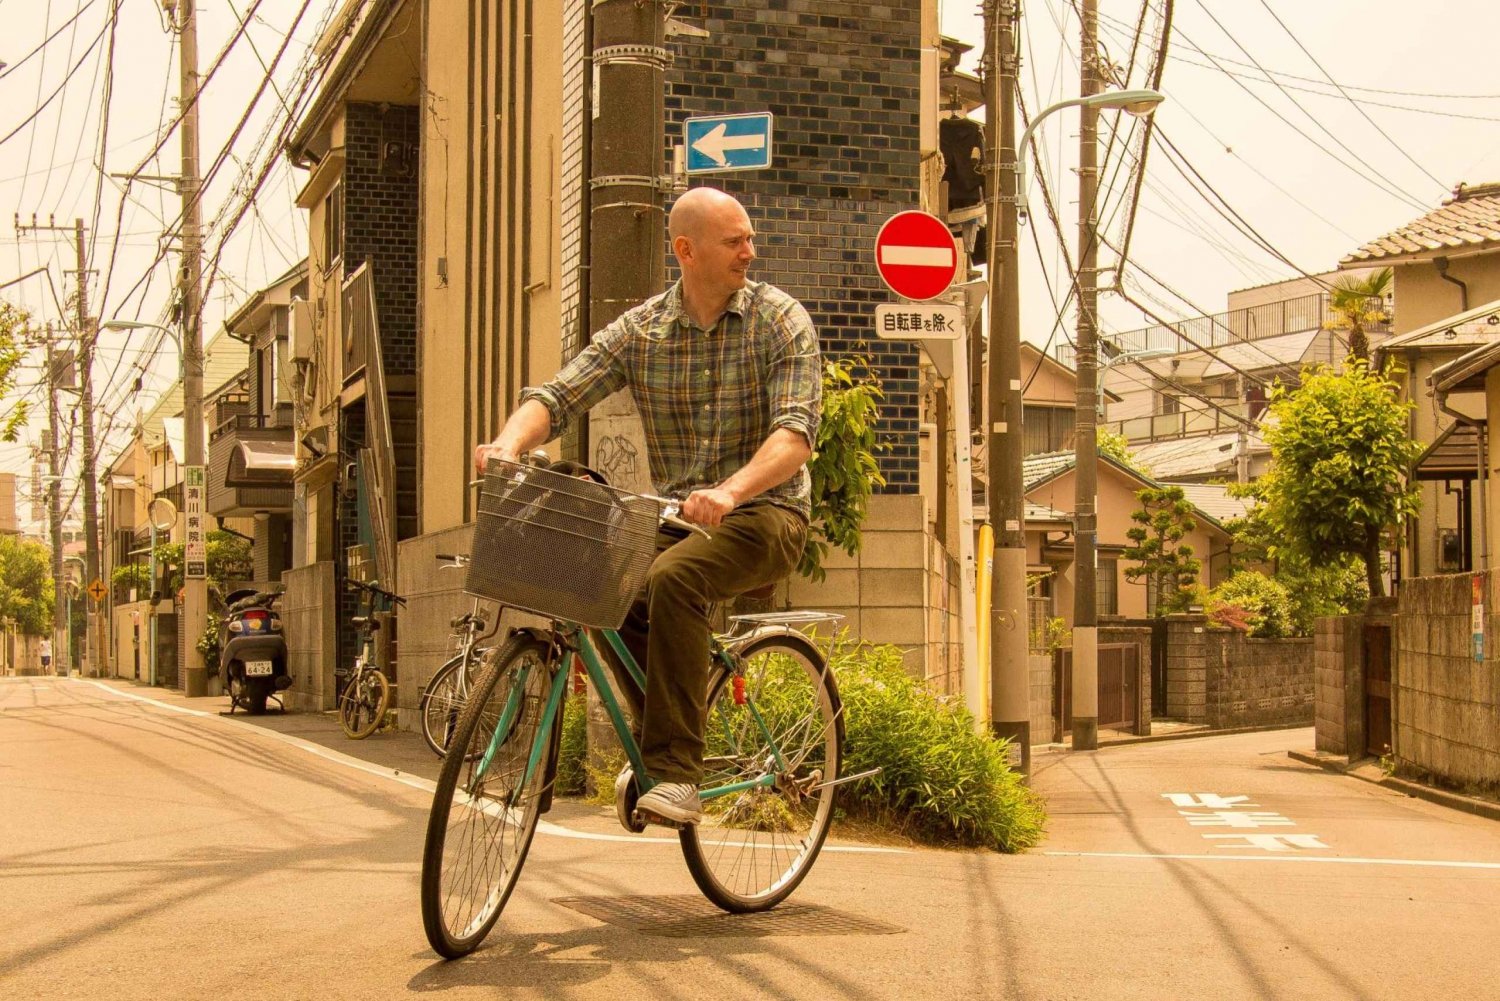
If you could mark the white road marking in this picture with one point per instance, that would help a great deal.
(922, 257)
(1432, 863)
(430, 788)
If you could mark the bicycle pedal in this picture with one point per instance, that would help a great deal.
(644, 819)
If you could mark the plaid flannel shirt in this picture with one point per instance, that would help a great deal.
(708, 398)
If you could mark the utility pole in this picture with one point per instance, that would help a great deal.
(1086, 418)
(93, 633)
(60, 623)
(87, 334)
(195, 583)
(626, 200)
(1010, 681)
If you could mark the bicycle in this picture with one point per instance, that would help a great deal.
(447, 691)
(576, 553)
(366, 694)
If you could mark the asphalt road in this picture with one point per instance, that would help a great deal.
(150, 848)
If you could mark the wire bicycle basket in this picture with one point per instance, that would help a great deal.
(560, 546)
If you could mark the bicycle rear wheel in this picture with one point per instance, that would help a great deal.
(482, 820)
(363, 703)
(443, 701)
(754, 847)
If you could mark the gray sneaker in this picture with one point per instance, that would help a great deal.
(676, 802)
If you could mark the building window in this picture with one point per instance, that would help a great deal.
(333, 226)
(1047, 429)
(1106, 587)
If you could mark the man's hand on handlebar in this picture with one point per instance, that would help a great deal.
(493, 450)
(708, 507)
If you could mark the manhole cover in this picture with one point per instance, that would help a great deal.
(689, 916)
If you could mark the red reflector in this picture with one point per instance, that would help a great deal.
(739, 690)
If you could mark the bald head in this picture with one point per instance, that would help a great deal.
(714, 243)
(692, 212)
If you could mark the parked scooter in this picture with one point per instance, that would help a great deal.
(252, 650)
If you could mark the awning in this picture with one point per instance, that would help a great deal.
(1453, 456)
(172, 427)
(261, 464)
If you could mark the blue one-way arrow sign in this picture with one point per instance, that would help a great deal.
(727, 142)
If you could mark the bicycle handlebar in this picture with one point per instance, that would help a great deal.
(374, 589)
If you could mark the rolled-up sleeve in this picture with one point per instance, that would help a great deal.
(594, 373)
(796, 377)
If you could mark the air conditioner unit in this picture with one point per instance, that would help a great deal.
(303, 330)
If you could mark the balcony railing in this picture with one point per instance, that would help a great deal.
(1249, 323)
(1222, 418)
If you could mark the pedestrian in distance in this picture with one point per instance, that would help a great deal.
(46, 651)
(726, 375)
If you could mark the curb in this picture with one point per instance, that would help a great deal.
(1452, 800)
(1189, 734)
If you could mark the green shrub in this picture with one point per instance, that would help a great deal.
(940, 780)
(1254, 602)
(572, 776)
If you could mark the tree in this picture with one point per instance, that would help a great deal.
(1117, 447)
(1331, 587)
(14, 323)
(843, 466)
(1163, 561)
(26, 586)
(1356, 302)
(228, 559)
(1339, 458)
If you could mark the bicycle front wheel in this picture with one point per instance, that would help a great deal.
(485, 812)
(363, 704)
(754, 846)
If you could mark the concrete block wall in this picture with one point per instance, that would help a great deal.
(1226, 679)
(1187, 668)
(882, 591)
(1446, 712)
(1257, 682)
(1043, 723)
(309, 619)
(1338, 685)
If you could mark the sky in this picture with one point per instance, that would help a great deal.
(1315, 167)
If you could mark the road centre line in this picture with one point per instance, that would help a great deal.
(416, 782)
(1162, 856)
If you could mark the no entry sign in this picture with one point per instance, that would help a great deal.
(916, 255)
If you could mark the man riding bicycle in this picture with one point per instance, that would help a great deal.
(726, 375)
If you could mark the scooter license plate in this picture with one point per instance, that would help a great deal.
(259, 668)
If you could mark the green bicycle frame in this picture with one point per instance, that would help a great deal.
(594, 667)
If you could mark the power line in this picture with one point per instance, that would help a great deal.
(1363, 113)
(1379, 182)
(53, 96)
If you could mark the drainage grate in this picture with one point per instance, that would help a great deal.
(690, 916)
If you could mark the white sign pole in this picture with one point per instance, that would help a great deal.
(943, 330)
(964, 475)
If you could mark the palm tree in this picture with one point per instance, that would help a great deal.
(1355, 302)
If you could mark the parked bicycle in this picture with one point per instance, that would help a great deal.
(576, 552)
(366, 694)
(447, 691)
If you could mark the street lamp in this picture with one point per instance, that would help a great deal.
(1133, 102)
(141, 325)
(1010, 683)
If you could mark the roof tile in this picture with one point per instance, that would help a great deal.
(1471, 218)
